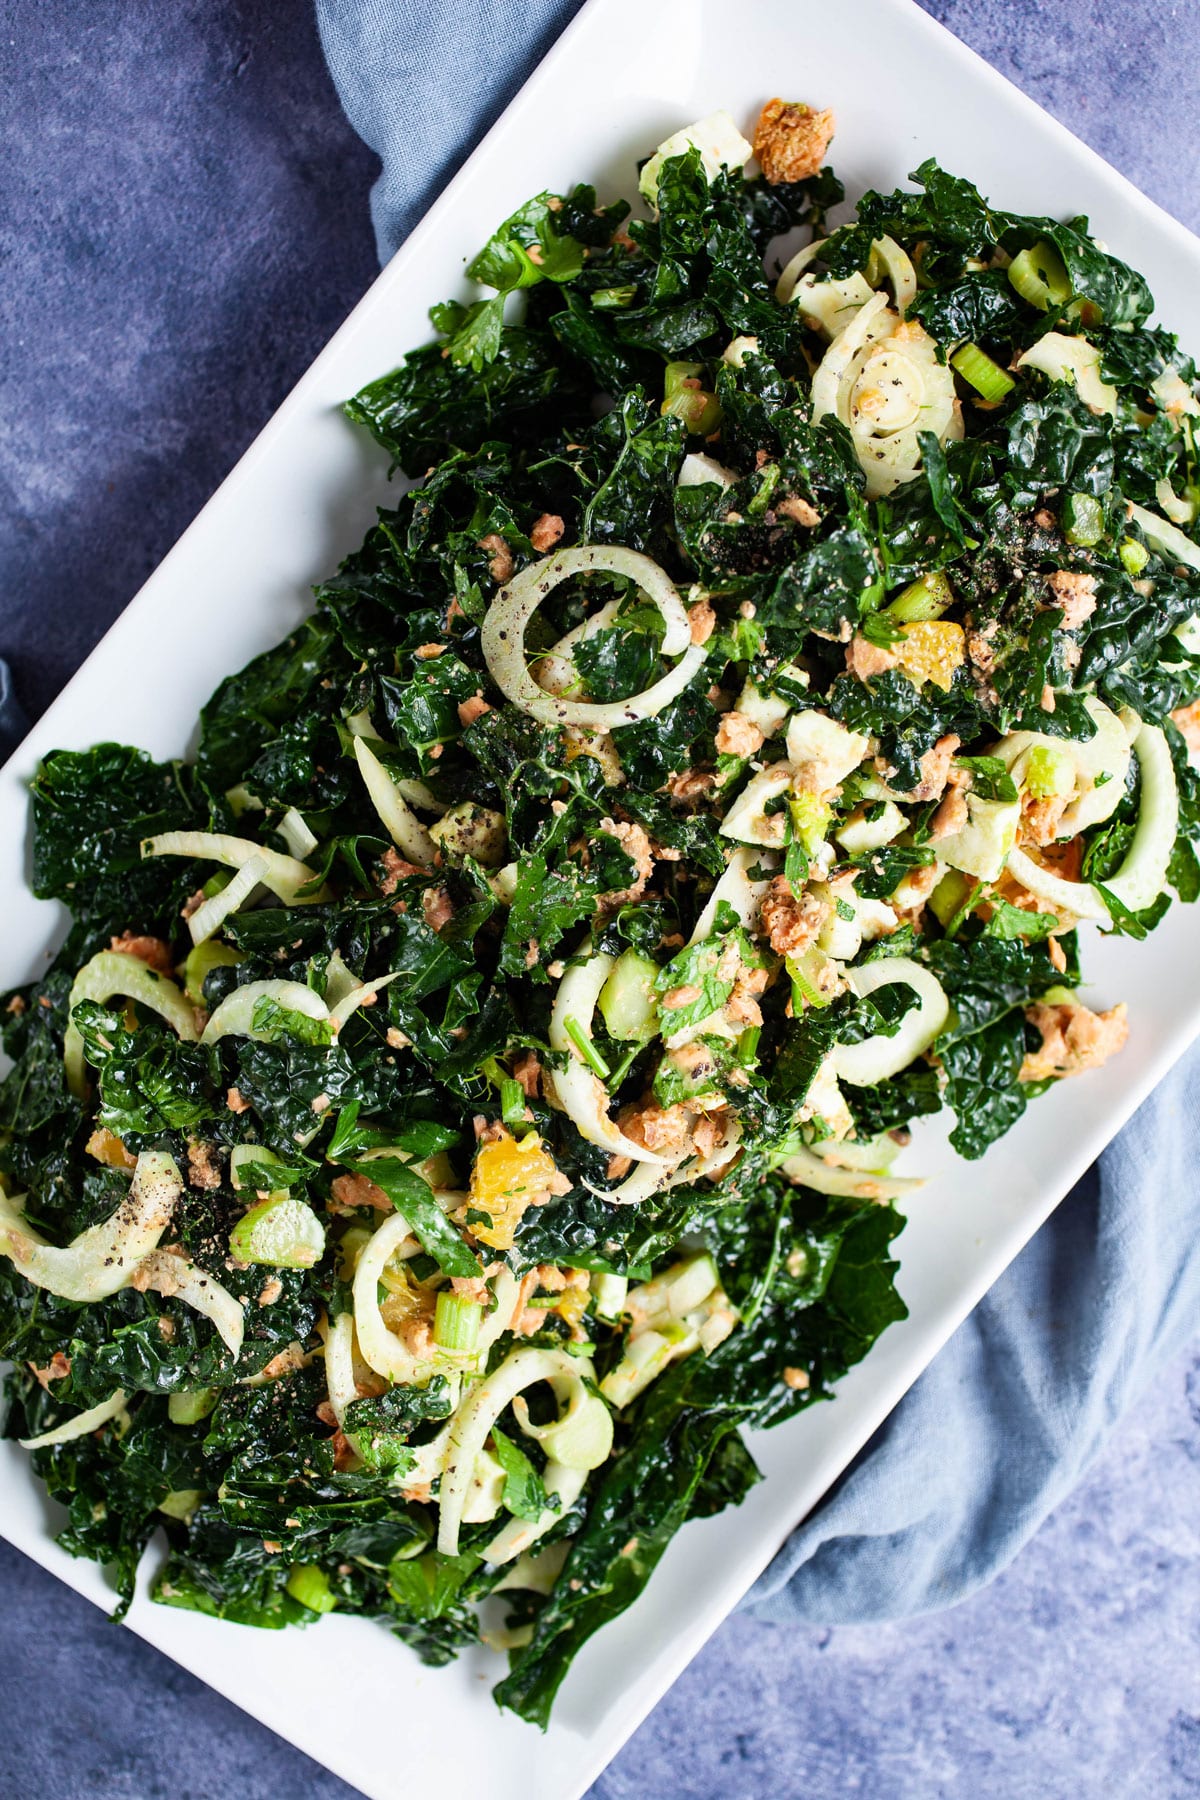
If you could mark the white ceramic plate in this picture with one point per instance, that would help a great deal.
(624, 74)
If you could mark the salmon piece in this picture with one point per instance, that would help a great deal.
(791, 139)
(738, 736)
(546, 532)
(789, 924)
(1074, 1039)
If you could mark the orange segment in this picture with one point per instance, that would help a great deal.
(108, 1149)
(931, 651)
(509, 1174)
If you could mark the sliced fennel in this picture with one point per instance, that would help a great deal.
(883, 380)
(811, 1170)
(582, 1435)
(111, 974)
(555, 671)
(650, 1178)
(104, 1257)
(1167, 539)
(522, 1368)
(235, 1015)
(175, 1275)
(754, 817)
(1143, 874)
(736, 888)
(286, 876)
(212, 913)
(1072, 359)
(1099, 765)
(677, 1312)
(580, 1091)
(981, 845)
(339, 1366)
(296, 834)
(562, 1484)
(716, 137)
(698, 470)
(503, 638)
(381, 1348)
(82, 1425)
(362, 995)
(879, 1058)
(403, 826)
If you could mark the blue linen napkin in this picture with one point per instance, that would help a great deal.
(1005, 1420)
(422, 80)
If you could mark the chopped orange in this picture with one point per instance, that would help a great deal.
(931, 651)
(509, 1175)
(108, 1149)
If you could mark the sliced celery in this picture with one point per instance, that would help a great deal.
(456, 1321)
(987, 377)
(512, 1101)
(628, 1002)
(921, 600)
(809, 818)
(1049, 772)
(190, 1405)
(807, 972)
(1039, 276)
(1134, 555)
(310, 1586)
(684, 398)
(614, 298)
(1083, 520)
(280, 1232)
(608, 1295)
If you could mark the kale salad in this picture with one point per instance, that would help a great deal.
(467, 1093)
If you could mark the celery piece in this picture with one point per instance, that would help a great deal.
(1134, 555)
(181, 1503)
(927, 598)
(807, 972)
(1083, 520)
(1049, 772)
(949, 895)
(975, 366)
(809, 818)
(685, 398)
(608, 1295)
(456, 1321)
(614, 298)
(628, 1004)
(310, 1586)
(189, 1405)
(1040, 276)
(512, 1101)
(280, 1232)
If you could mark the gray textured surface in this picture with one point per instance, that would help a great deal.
(182, 225)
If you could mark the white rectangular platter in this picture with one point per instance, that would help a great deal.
(624, 74)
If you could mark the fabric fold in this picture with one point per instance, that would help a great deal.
(421, 84)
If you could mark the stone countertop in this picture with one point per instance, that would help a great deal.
(135, 371)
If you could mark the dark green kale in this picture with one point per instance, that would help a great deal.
(639, 386)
